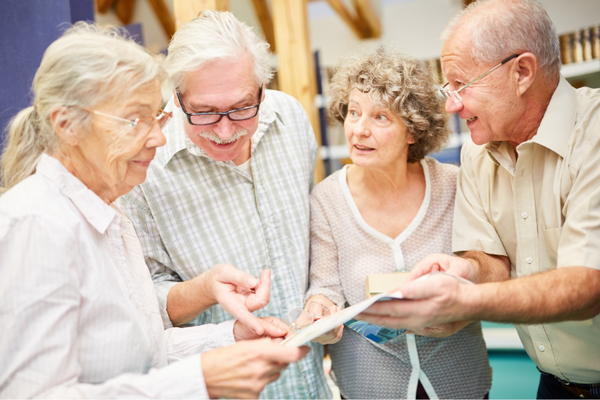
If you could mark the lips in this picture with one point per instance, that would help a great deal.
(363, 148)
(143, 163)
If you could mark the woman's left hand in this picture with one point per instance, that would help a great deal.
(272, 327)
(334, 335)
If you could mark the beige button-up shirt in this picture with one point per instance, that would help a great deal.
(542, 211)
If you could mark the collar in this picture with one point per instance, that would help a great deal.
(95, 211)
(177, 139)
(554, 130)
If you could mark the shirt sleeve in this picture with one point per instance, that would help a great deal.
(185, 342)
(579, 237)
(324, 273)
(472, 228)
(135, 207)
(39, 315)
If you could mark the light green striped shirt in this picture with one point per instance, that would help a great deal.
(193, 212)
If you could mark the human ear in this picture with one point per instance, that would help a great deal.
(61, 120)
(525, 71)
(175, 99)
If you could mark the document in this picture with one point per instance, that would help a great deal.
(326, 324)
(375, 333)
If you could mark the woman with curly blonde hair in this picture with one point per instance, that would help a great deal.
(384, 213)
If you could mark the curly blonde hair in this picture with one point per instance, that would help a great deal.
(400, 83)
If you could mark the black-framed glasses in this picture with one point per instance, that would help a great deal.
(454, 94)
(209, 118)
(138, 126)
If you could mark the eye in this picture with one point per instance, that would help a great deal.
(381, 117)
(352, 113)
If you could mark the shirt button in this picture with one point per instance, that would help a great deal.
(524, 215)
(529, 260)
(541, 347)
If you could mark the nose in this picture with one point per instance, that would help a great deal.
(362, 127)
(156, 137)
(453, 106)
(225, 128)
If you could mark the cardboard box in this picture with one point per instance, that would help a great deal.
(381, 283)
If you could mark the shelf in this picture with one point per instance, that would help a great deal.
(579, 69)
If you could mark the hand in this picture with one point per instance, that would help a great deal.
(442, 263)
(334, 335)
(239, 293)
(438, 299)
(273, 327)
(244, 369)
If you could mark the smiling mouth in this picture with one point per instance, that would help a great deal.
(363, 148)
(472, 119)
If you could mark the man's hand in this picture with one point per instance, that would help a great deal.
(244, 369)
(240, 293)
(442, 263)
(273, 327)
(437, 299)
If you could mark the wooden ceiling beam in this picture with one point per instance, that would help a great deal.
(351, 20)
(266, 22)
(187, 10)
(367, 15)
(124, 11)
(163, 14)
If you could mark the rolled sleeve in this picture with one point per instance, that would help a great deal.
(472, 227)
(579, 241)
(184, 342)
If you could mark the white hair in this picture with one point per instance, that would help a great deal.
(214, 35)
(85, 67)
(522, 25)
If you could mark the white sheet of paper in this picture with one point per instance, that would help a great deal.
(326, 324)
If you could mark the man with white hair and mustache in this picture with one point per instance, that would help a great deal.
(230, 187)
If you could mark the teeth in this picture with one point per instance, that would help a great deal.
(472, 119)
(362, 148)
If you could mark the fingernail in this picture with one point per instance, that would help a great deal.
(252, 282)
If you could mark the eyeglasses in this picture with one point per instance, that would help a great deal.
(303, 317)
(139, 126)
(454, 94)
(209, 118)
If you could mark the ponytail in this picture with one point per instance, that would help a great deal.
(23, 149)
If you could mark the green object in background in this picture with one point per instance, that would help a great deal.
(514, 375)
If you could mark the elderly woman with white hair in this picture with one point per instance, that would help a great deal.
(383, 214)
(78, 309)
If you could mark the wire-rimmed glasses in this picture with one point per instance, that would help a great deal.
(303, 317)
(454, 94)
(209, 118)
(139, 126)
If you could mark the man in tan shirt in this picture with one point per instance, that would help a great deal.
(527, 213)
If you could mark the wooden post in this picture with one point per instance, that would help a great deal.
(296, 74)
(266, 22)
(187, 10)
